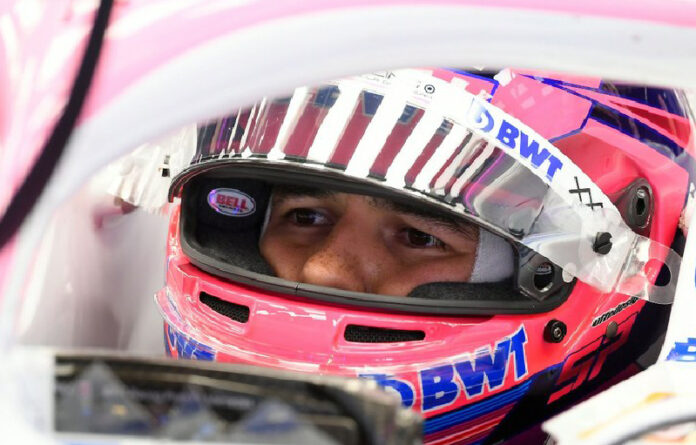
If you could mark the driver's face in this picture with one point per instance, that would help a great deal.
(363, 244)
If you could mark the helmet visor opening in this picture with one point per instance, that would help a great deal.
(309, 235)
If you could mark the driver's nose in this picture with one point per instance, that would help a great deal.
(347, 259)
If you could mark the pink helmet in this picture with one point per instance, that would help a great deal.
(575, 185)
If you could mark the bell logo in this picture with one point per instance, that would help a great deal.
(231, 202)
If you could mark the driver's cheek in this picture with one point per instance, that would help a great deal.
(283, 254)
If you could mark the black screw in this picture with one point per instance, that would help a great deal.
(555, 331)
(602, 243)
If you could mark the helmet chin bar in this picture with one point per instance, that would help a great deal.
(228, 248)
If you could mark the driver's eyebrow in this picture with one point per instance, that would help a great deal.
(432, 217)
(282, 192)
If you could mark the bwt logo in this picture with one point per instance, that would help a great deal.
(514, 138)
(231, 202)
(483, 371)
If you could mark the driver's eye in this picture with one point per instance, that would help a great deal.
(416, 238)
(308, 217)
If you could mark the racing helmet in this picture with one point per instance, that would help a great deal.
(573, 193)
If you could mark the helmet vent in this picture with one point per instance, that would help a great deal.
(236, 312)
(368, 334)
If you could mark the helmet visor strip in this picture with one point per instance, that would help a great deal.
(431, 139)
